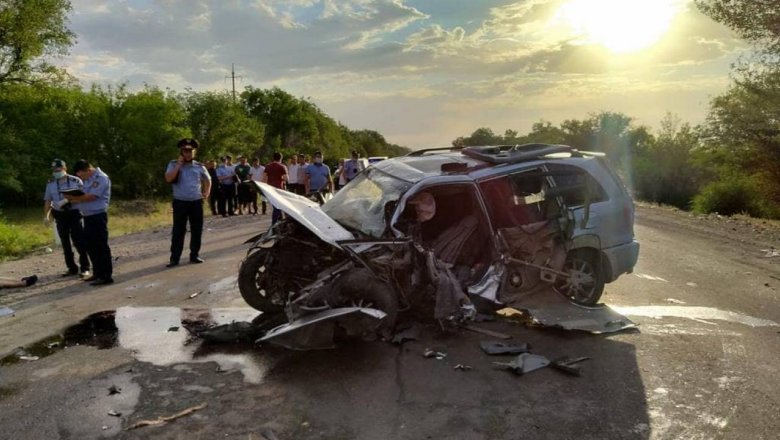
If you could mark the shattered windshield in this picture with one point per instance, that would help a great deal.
(361, 204)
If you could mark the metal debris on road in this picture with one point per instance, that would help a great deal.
(771, 252)
(430, 353)
(195, 294)
(487, 332)
(236, 331)
(411, 333)
(566, 364)
(28, 358)
(498, 347)
(461, 367)
(113, 413)
(166, 419)
(525, 363)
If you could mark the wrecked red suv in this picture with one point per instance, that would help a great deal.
(537, 227)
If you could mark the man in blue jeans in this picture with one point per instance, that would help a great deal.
(191, 185)
(93, 205)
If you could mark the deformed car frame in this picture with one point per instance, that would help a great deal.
(446, 232)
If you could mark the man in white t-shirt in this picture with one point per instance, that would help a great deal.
(292, 174)
(256, 173)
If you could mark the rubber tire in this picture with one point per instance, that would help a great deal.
(587, 260)
(248, 274)
(361, 284)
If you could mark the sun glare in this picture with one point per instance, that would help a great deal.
(621, 26)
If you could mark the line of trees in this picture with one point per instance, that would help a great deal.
(132, 135)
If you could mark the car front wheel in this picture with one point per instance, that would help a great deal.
(585, 283)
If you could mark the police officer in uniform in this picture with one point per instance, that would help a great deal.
(66, 218)
(191, 185)
(93, 205)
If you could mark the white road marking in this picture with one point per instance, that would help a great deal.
(696, 313)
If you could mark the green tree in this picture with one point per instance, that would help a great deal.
(222, 126)
(31, 30)
(665, 171)
(757, 21)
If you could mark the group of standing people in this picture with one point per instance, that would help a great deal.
(232, 192)
(78, 203)
(298, 176)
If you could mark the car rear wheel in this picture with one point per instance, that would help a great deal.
(585, 284)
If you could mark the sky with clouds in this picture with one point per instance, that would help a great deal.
(421, 72)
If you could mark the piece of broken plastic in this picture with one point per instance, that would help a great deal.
(499, 347)
(551, 309)
(411, 333)
(525, 363)
(316, 331)
(430, 353)
(567, 365)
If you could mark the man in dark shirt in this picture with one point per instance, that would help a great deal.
(211, 167)
(245, 187)
(275, 175)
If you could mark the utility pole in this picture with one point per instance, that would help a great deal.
(233, 78)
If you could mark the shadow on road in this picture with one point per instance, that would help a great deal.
(394, 392)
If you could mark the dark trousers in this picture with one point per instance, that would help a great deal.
(226, 197)
(96, 237)
(69, 228)
(184, 211)
(213, 198)
(276, 214)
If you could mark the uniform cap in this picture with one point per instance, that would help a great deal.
(187, 144)
(58, 163)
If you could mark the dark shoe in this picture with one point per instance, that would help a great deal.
(29, 281)
(102, 281)
(92, 278)
(172, 264)
(70, 273)
(196, 260)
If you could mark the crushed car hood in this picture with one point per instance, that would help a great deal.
(306, 212)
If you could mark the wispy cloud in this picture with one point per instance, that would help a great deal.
(386, 63)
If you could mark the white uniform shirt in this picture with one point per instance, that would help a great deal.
(256, 173)
(292, 174)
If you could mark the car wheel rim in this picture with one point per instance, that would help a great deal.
(581, 284)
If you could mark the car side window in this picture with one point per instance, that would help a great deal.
(576, 185)
(515, 199)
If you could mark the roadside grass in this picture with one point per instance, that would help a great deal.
(22, 231)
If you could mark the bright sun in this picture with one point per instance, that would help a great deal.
(619, 25)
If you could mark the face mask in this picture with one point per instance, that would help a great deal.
(317, 160)
(58, 174)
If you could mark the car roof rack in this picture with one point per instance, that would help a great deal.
(516, 153)
(428, 150)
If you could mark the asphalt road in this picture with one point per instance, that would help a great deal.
(703, 363)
